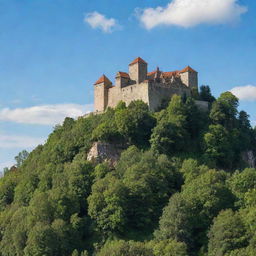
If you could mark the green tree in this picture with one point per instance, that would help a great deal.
(248, 214)
(107, 204)
(224, 110)
(128, 157)
(7, 187)
(175, 222)
(244, 121)
(169, 248)
(207, 195)
(205, 94)
(227, 234)
(84, 253)
(41, 241)
(196, 120)
(164, 138)
(107, 132)
(41, 209)
(25, 189)
(21, 157)
(101, 170)
(150, 182)
(245, 132)
(240, 252)
(79, 178)
(120, 247)
(170, 134)
(250, 198)
(242, 182)
(120, 106)
(65, 241)
(189, 214)
(191, 169)
(135, 123)
(14, 229)
(218, 146)
(75, 253)
(176, 112)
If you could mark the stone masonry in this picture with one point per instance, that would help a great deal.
(138, 84)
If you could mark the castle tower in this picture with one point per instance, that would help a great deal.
(189, 77)
(138, 70)
(101, 87)
(122, 79)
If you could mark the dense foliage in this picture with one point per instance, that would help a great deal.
(181, 187)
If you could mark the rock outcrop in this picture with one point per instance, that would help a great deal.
(103, 151)
(249, 158)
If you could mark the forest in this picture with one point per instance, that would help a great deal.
(182, 186)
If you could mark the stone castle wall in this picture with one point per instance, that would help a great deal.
(159, 92)
(127, 94)
(151, 93)
(113, 96)
(135, 92)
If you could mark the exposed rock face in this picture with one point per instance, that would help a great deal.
(249, 158)
(103, 151)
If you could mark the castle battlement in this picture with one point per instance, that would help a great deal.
(139, 84)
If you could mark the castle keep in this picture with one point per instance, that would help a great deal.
(138, 84)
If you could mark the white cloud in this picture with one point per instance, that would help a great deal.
(16, 141)
(45, 114)
(189, 13)
(247, 92)
(97, 20)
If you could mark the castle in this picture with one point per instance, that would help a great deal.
(138, 84)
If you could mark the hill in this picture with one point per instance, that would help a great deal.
(183, 185)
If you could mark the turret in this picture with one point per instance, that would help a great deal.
(189, 77)
(101, 87)
(138, 70)
(122, 79)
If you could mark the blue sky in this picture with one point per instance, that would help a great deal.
(52, 51)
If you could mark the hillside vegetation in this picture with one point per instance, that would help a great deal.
(181, 188)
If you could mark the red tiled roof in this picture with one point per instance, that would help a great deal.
(139, 59)
(151, 73)
(186, 69)
(103, 79)
(175, 73)
(123, 74)
(170, 74)
(165, 74)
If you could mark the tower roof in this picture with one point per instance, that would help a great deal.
(122, 74)
(138, 60)
(186, 69)
(103, 79)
